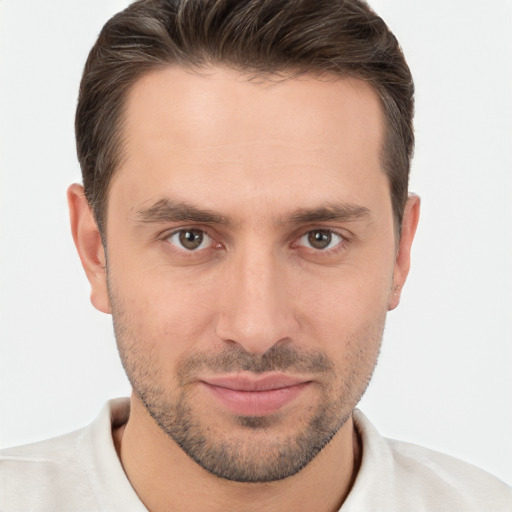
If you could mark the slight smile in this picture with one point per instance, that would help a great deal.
(246, 395)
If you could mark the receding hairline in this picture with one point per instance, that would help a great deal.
(342, 37)
(251, 75)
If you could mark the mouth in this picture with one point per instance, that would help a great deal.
(247, 395)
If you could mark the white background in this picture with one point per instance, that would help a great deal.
(445, 375)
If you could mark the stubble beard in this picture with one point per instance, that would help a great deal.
(248, 456)
(243, 458)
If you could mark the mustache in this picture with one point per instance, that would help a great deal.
(236, 359)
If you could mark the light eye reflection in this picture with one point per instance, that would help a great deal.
(321, 239)
(190, 240)
(194, 240)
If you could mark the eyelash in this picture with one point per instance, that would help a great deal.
(343, 241)
(330, 232)
(191, 253)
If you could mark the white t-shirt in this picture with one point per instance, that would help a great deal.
(80, 472)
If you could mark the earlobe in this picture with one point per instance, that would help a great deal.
(403, 256)
(89, 246)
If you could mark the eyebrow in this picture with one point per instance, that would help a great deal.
(167, 210)
(340, 212)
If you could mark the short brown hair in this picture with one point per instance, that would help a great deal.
(338, 37)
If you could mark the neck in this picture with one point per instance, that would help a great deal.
(165, 478)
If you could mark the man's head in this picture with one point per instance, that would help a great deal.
(280, 38)
(249, 220)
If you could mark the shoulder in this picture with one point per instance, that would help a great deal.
(405, 476)
(79, 471)
(449, 477)
(40, 473)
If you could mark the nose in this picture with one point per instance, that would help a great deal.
(256, 306)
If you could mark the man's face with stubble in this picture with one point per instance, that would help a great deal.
(251, 261)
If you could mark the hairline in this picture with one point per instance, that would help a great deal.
(253, 74)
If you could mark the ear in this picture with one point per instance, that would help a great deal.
(88, 244)
(403, 255)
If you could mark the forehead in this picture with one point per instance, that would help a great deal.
(219, 128)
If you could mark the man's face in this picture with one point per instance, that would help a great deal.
(251, 258)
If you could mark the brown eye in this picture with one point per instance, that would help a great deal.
(190, 239)
(321, 239)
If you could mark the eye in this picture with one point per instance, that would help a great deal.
(320, 239)
(190, 239)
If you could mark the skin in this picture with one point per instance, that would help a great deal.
(270, 163)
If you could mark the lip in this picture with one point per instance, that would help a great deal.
(246, 395)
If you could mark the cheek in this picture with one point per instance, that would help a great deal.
(348, 297)
(163, 311)
(345, 317)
